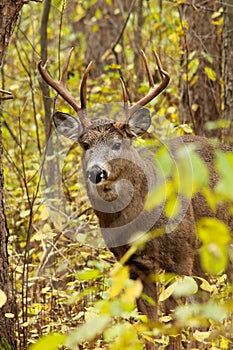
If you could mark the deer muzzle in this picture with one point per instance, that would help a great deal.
(96, 174)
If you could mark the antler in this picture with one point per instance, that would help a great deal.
(153, 92)
(60, 87)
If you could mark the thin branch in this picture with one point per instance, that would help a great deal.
(123, 27)
(113, 46)
(9, 94)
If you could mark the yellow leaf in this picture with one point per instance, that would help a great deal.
(217, 13)
(119, 278)
(115, 66)
(205, 285)
(132, 291)
(194, 80)
(195, 107)
(95, 28)
(155, 197)
(80, 13)
(211, 230)
(201, 336)
(24, 213)
(44, 213)
(172, 206)
(185, 77)
(211, 74)
(52, 341)
(45, 290)
(167, 292)
(118, 48)
(3, 298)
(218, 23)
(98, 14)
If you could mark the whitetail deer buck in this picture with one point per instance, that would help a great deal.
(118, 179)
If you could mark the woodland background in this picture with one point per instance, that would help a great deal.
(54, 270)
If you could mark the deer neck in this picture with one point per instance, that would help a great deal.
(125, 216)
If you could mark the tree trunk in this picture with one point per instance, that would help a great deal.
(228, 72)
(7, 325)
(200, 85)
(9, 12)
(49, 170)
(101, 35)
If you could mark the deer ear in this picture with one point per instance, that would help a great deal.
(139, 122)
(68, 125)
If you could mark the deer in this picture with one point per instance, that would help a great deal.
(118, 179)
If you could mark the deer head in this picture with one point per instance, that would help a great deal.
(112, 166)
(118, 134)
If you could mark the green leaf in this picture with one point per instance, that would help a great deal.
(214, 258)
(224, 166)
(218, 124)
(200, 172)
(191, 55)
(87, 275)
(4, 345)
(52, 342)
(165, 161)
(193, 67)
(211, 230)
(215, 236)
(208, 57)
(211, 74)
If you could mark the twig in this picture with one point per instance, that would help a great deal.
(113, 46)
(123, 27)
(4, 92)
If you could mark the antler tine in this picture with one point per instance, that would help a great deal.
(125, 98)
(63, 78)
(149, 74)
(60, 86)
(155, 90)
(162, 72)
(83, 88)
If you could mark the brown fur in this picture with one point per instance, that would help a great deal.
(118, 180)
(175, 252)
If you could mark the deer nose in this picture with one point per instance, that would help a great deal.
(96, 174)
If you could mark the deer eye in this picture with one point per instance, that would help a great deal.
(116, 146)
(86, 146)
